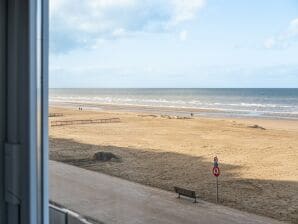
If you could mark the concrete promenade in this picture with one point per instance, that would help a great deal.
(113, 200)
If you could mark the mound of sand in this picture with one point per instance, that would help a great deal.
(106, 156)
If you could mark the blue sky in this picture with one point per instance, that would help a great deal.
(173, 43)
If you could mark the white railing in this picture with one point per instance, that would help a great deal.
(60, 215)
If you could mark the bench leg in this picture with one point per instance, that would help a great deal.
(195, 200)
(178, 195)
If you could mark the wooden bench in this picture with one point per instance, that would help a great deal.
(186, 193)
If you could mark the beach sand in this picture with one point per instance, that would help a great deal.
(259, 172)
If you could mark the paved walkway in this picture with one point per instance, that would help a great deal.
(114, 200)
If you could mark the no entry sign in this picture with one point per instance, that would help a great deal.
(216, 171)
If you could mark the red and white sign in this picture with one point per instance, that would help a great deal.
(216, 171)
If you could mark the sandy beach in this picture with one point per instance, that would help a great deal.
(258, 164)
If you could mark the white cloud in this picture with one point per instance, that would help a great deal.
(183, 35)
(186, 9)
(284, 39)
(119, 32)
(77, 22)
(269, 43)
(293, 28)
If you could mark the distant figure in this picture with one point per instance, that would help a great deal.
(191, 114)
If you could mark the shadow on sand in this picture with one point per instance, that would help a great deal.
(276, 199)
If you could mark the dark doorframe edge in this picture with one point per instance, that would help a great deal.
(3, 8)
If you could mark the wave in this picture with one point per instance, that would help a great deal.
(161, 102)
(276, 110)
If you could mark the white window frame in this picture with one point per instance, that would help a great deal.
(23, 112)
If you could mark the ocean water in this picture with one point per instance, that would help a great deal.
(271, 103)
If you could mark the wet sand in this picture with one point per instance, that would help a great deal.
(259, 171)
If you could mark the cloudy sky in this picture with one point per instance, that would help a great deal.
(173, 43)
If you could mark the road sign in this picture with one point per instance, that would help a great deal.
(215, 161)
(216, 171)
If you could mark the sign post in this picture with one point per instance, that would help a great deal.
(216, 173)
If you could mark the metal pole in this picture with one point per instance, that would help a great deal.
(216, 189)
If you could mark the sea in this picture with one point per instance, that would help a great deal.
(266, 103)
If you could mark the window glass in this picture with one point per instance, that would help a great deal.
(145, 94)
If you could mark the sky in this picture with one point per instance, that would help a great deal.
(173, 44)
